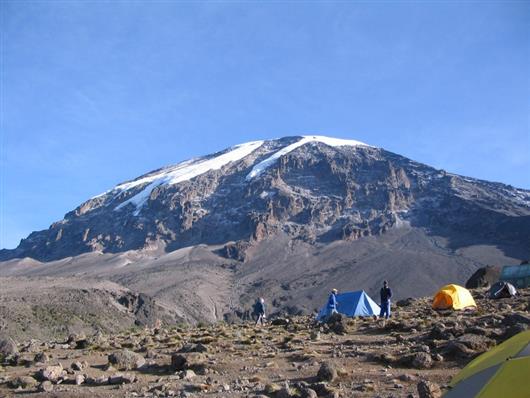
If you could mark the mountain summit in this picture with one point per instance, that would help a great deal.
(288, 218)
(314, 188)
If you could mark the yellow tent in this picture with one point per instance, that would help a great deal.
(453, 296)
(504, 371)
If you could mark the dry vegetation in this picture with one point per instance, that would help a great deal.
(414, 354)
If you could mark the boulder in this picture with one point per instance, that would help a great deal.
(52, 373)
(41, 357)
(477, 343)
(336, 323)
(284, 392)
(194, 348)
(484, 277)
(126, 360)
(308, 393)
(8, 348)
(407, 377)
(513, 330)
(97, 381)
(427, 389)
(280, 322)
(516, 318)
(422, 360)
(324, 390)
(75, 337)
(188, 375)
(327, 372)
(98, 340)
(440, 332)
(455, 349)
(178, 362)
(46, 386)
(405, 302)
(77, 366)
(122, 378)
(79, 379)
(23, 382)
(193, 360)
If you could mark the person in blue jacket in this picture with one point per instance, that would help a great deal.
(386, 294)
(332, 302)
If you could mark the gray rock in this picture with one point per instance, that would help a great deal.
(427, 389)
(192, 360)
(422, 360)
(8, 347)
(46, 386)
(52, 373)
(77, 366)
(284, 392)
(475, 342)
(126, 360)
(122, 378)
(188, 375)
(178, 362)
(23, 382)
(407, 377)
(280, 322)
(41, 357)
(327, 372)
(308, 393)
(100, 381)
(337, 323)
(513, 330)
(194, 348)
(76, 337)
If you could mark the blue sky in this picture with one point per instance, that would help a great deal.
(95, 93)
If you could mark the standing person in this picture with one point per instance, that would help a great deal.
(332, 302)
(260, 311)
(386, 293)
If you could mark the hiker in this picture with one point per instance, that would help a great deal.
(332, 302)
(259, 310)
(386, 293)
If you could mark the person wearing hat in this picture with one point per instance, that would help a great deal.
(332, 302)
(385, 293)
(260, 311)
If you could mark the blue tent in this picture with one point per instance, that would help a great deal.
(353, 304)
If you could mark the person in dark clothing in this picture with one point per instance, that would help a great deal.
(259, 309)
(386, 294)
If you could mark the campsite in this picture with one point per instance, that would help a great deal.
(264, 199)
(419, 352)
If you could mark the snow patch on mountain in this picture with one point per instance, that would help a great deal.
(263, 165)
(182, 172)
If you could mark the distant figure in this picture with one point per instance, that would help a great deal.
(386, 293)
(332, 302)
(259, 309)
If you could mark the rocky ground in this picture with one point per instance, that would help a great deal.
(415, 354)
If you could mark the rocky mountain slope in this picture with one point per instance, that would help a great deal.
(415, 354)
(287, 219)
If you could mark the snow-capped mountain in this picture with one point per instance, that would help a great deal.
(287, 219)
(312, 188)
